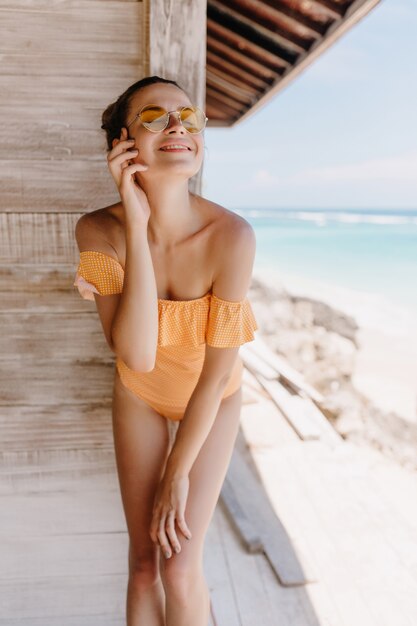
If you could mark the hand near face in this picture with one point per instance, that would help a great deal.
(133, 197)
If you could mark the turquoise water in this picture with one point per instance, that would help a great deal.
(366, 250)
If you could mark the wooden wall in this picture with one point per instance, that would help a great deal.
(63, 62)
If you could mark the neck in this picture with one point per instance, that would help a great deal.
(172, 211)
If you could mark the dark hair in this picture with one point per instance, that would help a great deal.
(114, 116)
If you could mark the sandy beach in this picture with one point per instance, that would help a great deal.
(357, 348)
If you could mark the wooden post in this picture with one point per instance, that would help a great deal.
(176, 45)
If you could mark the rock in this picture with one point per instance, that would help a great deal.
(320, 342)
(331, 319)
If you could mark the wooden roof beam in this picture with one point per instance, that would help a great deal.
(331, 8)
(265, 16)
(234, 106)
(356, 11)
(293, 14)
(239, 84)
(247, 46)
(246, 29)
(215, 61)
(217, 113)
(230, 90)
(240, 60)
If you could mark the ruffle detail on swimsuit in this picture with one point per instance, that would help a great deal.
(230, 324)
(98, 273)
(183, 322)
(86, 289)
(188, 323)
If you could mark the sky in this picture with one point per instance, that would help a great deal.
(342, 134)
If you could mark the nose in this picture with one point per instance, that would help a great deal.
(174, 122)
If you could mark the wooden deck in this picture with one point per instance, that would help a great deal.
(340, 551)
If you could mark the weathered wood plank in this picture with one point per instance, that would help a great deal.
(53, 137)
(283, 368)
(238, 517)
(54, 336)
(64, 620)
(73, 64)
(264, 426)
(253, 500)
(57, 471)
(310, 605)
(81, 25)
(51, 430)
(256, 364)
(45, 301)
(45, 382)
(177, 50)
(90, 505)
(48, 5)
(34, 238)
(71, 596)
(56, 90)
(349, 523)
(293, 408)
(248, 588)
(54, 186)
(218, 575)
(52, 133)
(94, 554)
(303, 415)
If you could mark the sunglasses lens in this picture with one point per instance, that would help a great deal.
(193, 119)
(154, 118)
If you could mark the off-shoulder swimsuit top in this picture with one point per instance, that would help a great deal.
(184, 328)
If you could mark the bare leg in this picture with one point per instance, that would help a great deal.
(141, 442)
(186, 589)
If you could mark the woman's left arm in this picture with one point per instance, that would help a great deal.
(231, 282)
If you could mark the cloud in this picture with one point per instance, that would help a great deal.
(230, 156)
(266, 178)
(395, 169)
(399, 169)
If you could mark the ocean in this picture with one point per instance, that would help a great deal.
(370, 251)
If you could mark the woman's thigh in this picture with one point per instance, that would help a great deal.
(206, 478)
(141, 445)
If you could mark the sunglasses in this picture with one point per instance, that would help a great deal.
(155, 118)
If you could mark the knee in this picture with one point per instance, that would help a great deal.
(144, 570)
(180, 580)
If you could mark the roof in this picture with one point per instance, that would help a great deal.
(257, 47)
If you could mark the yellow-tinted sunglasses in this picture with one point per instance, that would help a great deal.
(155, 118)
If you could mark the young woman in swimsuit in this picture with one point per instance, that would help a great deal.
(169, 272)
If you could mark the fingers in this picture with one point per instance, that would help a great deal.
(122, 152)
(183, 527)
(164, 533)
(119, 159)
(120, 149)
(170, 530)
(131, 169)
(162, 538)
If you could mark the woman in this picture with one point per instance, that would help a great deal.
(169, 272)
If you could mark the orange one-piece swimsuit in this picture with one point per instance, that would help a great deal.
(184, 327)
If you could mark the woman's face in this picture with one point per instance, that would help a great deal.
(184, 163)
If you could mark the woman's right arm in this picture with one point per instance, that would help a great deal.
(129, 319)
(134, 329)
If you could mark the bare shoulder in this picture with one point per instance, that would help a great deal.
(233, 248)
(99, 230)
(231, 231)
